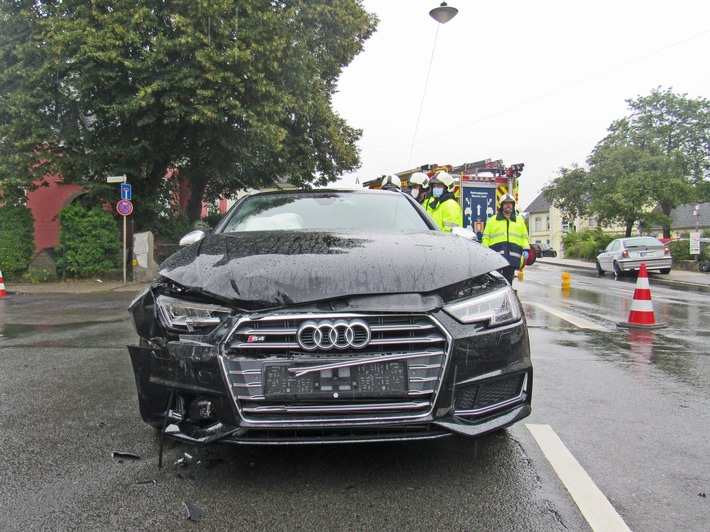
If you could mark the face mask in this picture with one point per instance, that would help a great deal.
(437, 192)
(415, 192)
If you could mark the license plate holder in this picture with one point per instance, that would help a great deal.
(387, 379)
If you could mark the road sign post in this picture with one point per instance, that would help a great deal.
(124, 208)
(122, 179)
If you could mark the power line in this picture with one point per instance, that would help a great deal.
(421, 105)
(561, 89)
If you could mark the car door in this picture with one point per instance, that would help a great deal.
(606, 258)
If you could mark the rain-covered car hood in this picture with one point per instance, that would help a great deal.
(277, 268)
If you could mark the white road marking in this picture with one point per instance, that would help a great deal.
(595, 508)
(574, 320)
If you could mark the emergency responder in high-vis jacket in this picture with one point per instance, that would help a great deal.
(507, 234)
(441, 204)
(418, 186)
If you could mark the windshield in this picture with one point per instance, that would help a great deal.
(326, 211)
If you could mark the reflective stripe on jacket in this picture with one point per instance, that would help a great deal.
(509, 237)
(447, 214)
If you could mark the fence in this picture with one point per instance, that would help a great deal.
(163, 248)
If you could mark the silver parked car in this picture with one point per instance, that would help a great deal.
(627, 254)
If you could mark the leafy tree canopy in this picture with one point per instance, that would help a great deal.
(569, 191)
(652, 161)
(230, 93)
(673, 123)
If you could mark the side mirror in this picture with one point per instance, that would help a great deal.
(464, 233)
(192, 237)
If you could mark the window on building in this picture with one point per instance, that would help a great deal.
(538, 223)
(592, 222)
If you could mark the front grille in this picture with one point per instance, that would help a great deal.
(396, 376)
(485, 397)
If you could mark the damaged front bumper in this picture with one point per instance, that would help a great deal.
(187, 390)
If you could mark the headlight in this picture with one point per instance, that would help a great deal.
(182, 315)
(496, 308)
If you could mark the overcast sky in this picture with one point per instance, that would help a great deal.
(533, 82)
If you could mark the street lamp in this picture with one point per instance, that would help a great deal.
(443, 13)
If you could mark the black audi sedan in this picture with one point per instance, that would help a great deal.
(330, 316)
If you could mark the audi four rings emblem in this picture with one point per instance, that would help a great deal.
(340, 334)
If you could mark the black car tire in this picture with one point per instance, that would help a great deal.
(615, 267)
(599, 268)
(665, 271)
(704, 266)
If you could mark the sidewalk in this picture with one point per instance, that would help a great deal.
(675, 277)
(74, 287)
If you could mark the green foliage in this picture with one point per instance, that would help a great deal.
(89, 241)
(569, 192)
(230, 93)
(17, 245)
(37, 277)
(173, 227)
(675, 123)
(586, 244)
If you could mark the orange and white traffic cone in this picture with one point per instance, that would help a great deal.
(3, 293)
(641, 315)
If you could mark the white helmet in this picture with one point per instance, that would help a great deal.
(391, 182)
(507, 197)
(445, 179)
(419, 179)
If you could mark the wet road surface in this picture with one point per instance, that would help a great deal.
(632, 410)
(68, 401)
(631, 405)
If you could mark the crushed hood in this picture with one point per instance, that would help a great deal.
(279, 268)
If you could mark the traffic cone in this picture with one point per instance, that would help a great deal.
(641, 315)
(3, 293)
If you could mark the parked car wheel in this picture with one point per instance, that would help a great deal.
(704, 266)
(599, 268)
(617, 270)
(665, 271)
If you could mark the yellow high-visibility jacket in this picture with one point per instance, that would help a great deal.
(446, 211)
(509, 237)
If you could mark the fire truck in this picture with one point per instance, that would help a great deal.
(481, 185)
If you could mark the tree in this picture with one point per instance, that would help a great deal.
(569, 192)
(675, 124)
(652, 161)
(620, 185)
(230, 94)
(674, 133)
